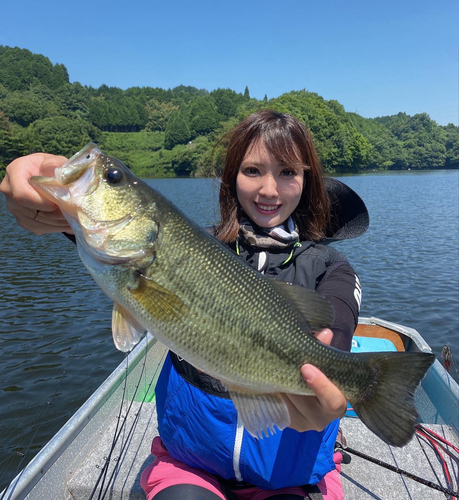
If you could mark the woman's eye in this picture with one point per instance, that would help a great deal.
(251, 171)
(114, 175)
(288, 173)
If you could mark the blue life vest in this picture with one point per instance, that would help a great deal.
(201, 430)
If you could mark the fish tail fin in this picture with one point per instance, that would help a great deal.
(386, 406)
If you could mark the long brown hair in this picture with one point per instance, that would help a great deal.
(288, 140)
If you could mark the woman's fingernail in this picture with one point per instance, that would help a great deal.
(308, 373)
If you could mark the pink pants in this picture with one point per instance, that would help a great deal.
(165, 471)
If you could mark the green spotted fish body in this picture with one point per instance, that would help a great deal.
(167, 276)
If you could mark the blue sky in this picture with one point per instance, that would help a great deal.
(374, 57)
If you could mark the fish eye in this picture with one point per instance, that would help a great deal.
(114, 175)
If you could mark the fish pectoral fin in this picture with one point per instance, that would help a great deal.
(259, 413)
(159, 302)
(314, 311)
(126, 330)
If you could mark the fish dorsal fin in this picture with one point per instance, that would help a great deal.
(259, 413)
(125, 329)
(315, 312)
(160, 303)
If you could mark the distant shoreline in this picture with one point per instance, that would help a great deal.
(327, 174)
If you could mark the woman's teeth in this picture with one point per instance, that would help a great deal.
(268, 208)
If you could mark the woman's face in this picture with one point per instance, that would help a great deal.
(267, 190)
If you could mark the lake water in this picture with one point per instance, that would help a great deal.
(55, 337)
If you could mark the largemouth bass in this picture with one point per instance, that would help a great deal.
(169, 277)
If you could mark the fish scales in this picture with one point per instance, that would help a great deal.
(168, 276)
(222, 310)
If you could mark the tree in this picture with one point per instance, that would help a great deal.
(357, 151)
(60, 135)
(190, 90)
(158, 114)
(73, 100)
(451, 135)
(227, 101)
(387, 152)
(203, 116)
(21, 109)
(177, 131)
(186, 161)
(20, 68)
(421, 139)
(10, 144)
(246, 93)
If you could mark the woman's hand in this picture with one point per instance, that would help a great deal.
(316, 412)
(32, 211)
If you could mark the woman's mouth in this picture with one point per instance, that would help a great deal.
(266, 209)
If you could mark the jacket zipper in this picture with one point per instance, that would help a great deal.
(238, 449)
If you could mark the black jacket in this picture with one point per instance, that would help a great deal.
(316, 267)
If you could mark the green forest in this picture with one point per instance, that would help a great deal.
(175, 132)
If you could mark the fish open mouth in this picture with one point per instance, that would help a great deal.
(77, 165)
(74, 178)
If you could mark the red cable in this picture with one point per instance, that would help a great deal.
(439, 455)
(440, 438)
(443, 461)
(442, 446)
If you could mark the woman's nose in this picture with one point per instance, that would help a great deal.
(268, 187)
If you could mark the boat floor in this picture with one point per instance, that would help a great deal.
(115, 467)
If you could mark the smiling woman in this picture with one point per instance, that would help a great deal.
(274, 153)
(268, 190)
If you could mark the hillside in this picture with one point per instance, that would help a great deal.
(172, 132)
